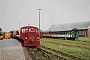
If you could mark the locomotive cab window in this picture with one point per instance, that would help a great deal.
(23, 30)
(35, 29)
(26, 30)
(1, 33)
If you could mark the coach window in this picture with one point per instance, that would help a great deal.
(53, 32)
(62, 32)
(59, 32)
(56, 32)
(65, 32)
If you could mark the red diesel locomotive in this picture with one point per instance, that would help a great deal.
(29, 34)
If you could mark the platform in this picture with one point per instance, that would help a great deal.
(11, 49)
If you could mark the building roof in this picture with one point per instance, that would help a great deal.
(89, 26)
(69, 26)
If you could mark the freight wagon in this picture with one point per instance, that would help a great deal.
(6, 35)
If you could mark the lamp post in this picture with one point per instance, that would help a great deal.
(39, 22)
(19, 25)
(13, 28)
(28, 24)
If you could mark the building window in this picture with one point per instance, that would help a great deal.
(83, 32)
(79, 32)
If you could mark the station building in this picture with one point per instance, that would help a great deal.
(83, 28)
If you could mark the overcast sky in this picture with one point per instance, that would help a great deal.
(53, 12)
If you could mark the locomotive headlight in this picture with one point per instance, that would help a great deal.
(25, 37)
(37, 38)
(32, 41)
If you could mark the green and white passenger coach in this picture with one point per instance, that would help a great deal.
(71, 34)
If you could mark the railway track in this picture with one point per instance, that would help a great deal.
(40, 54)
(37, 54)
(44, 53)
(30, 53)
(64, 55)
(51, 55)
(83, 41)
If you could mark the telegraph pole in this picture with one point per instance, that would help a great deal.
(28, 24)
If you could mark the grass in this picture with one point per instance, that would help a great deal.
(66, 41)
(69, 43)
(76, 51)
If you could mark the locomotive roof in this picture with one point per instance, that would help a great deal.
(69, 26)
(28, 27)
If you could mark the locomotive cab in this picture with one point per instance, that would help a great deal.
(30, 36)
(1, 35)
(74, 33)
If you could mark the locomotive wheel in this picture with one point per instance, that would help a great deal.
(1, 38)
(73, 38)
